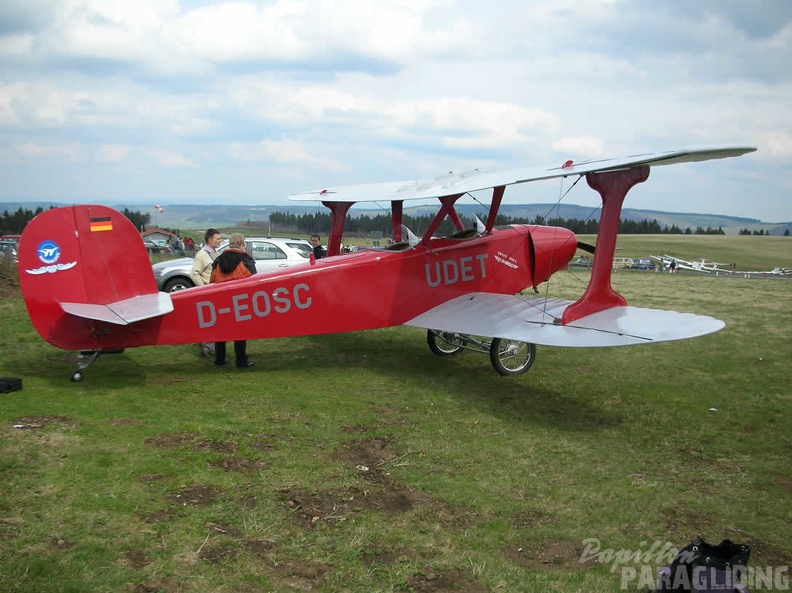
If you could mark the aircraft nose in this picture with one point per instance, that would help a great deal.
(553, 248)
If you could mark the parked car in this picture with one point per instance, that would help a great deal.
(581, 262)
(620, 263)
(153, 247)
(270, 254)
(14, 238)
(8, 248)
(642, 263)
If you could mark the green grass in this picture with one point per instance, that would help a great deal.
(159, 472)
(749, 252)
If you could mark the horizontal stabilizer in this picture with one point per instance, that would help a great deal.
(538, 321)
(136, 308)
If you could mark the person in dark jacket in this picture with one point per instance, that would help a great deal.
(230, 265)
(318, 251)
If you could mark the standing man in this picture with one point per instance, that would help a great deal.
(202, 271)
(232, 264)
(318, 250)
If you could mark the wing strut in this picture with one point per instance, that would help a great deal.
(338, 216)
(612, 187)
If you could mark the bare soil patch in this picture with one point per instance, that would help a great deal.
(165, 586)
(559, 554)
(261, 548)
(370, 457)
(195, 495)
(213, 446)
(310, 508)
(442, 582)
(34, 422)
(136, 558)
(171, 440)
(10, 527)
(218, 552)
(238, 464)
(302, 575)
(530, 518)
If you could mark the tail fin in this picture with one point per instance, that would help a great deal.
(82, 264)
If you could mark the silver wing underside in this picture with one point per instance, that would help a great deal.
(537, 320)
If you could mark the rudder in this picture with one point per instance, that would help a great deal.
(79, 254)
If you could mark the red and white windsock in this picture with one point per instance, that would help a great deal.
(158, 207)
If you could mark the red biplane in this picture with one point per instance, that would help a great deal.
(456, 287)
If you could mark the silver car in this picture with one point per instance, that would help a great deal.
(270, 254)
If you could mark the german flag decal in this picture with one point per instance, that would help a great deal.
(104, 223)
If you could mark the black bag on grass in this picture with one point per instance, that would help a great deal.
(9, 384)
(706, 568)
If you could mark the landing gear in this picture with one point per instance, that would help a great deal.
(86, 358)
(508, 357)
(444, 343)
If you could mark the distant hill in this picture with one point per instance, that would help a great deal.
(202, 216)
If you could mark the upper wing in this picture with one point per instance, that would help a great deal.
(537, 320)
(476, 180)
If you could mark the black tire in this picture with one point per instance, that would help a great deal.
(443, 343)
(510, 357)
(176, 284)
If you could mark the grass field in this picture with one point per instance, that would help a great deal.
(362, 463)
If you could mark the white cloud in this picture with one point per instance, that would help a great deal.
(367, 91)
(113, 152)
(170, 159)
(68, 152)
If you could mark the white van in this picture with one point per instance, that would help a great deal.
(620, 263)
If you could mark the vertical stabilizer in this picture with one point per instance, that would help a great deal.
(80, 254)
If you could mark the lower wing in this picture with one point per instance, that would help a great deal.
(538, 320)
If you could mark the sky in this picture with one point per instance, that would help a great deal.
(246, 102)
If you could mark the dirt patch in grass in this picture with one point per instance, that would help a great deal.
(218, 552)
(9, 290)
(213, 446)
(373, 452)
(238, 464)
(530, 518)
(155, 516)
(264, 443)
(261, 548)
(442, 582)
(310, 508)
(165, 586)
(354, 428)
(34, 422)
(196, 495)
(370, 457)
(301, 575)
(559, 554)
(10, 527)
(136, 559)
(171, 440)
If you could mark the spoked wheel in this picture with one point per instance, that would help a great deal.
(443, 343)
(510, 357)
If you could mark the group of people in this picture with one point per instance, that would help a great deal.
(234, 263)
(209, 268)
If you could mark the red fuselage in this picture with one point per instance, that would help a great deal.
(363, 290)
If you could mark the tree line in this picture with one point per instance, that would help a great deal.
(14, 223)
(364, 225)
